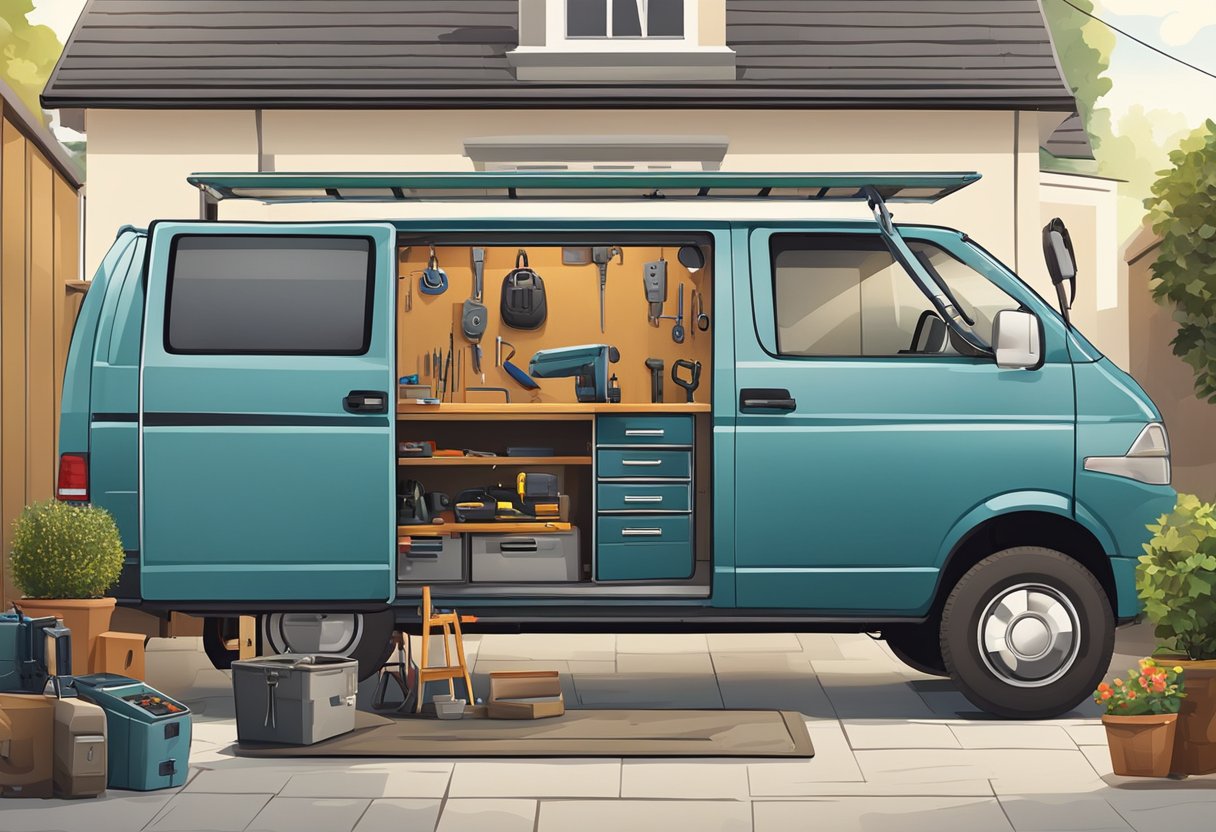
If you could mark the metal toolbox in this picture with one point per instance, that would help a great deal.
(294, 699)
(431, 559)
(508, 558)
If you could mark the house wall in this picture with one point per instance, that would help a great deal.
(1165, 377)
(39, 248)
(1089, 207)
(138, 160)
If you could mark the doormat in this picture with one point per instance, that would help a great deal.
(579, 733)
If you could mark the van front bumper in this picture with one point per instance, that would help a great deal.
(1127, 602)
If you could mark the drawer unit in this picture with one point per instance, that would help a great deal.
(641, 429)
(511, 558)
(643, 463)
(644, 496)
(432, 560)
(645, 528)
(644, 561)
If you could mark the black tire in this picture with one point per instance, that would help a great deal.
(918, 646)
(979, 675)
(371, 651)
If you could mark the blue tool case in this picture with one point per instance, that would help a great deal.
(30, 650)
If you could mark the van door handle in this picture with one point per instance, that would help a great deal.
(766, 398)
(366, 401)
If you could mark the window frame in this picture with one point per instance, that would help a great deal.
(369, 295)
(771, 246)
(688, 7)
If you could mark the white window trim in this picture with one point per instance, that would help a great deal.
(555, 26)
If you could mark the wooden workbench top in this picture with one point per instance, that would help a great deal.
(544, 409)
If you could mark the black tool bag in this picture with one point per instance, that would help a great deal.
(523, 296)
(411, 504)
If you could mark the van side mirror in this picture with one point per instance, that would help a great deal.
(1016, 340)
(1061, 262)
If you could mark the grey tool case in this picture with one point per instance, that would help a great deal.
(294, 699)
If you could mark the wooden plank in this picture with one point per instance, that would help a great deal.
(12, 334)
(247, 629)
(495, 527)
(40, 338)
(488, 461)
(67, 272)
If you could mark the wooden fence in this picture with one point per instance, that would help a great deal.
(40, 294)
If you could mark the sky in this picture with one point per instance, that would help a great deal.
(1185, 28)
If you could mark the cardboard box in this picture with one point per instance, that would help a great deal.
(525, 694)
(27, 749)
(119, 653)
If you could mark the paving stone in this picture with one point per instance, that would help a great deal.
(396, 815)
(532, 778)
(245, 780)
(820, 646)
(645, 816)
(1099, 757)
(665, 643)
(691, 779)
(791, 691)
(693, 664)
(753, 643)
(1012, 735)
(1011, 771)
(833, 762)
(190, 812)
(488, 816)
(1087, 734)
(117, 810)
(762, 664)
(540, 646)
(873, 696)
(907, 814)
(301, 814)
(407, 779)
(860, 647)
(895, 733)
(1062, 813)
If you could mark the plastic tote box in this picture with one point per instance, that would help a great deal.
(80, 748)
(294, 699)
(431, 559)
(517, 557)
(147, 733)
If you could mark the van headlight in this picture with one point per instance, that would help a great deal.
(1147, 461)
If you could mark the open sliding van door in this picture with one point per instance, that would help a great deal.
(267, 413)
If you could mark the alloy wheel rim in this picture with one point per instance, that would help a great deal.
(329, 633)
(1029, 635)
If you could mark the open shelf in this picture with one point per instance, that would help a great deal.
(531, 410)
(490, 461)
(503, 527)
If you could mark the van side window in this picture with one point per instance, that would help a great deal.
(844, 295)
(269, 295)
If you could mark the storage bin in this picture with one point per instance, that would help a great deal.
(508, 558)
(431, 560)
(294, 699)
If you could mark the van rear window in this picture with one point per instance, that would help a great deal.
(269, 295)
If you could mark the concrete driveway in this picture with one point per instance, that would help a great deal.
(894, 750)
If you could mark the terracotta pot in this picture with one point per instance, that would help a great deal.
(1195, 743)
(1141, 746)
(87, 618)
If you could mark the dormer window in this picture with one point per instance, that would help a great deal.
(626, 18)
(613, 41)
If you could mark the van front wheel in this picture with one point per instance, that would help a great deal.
(1027, 633)
(362, 636)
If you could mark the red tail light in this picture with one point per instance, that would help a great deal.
(73, 477)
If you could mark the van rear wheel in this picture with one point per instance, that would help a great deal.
(366, 637)
(1027, 633)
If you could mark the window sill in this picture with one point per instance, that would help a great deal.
(654, 62)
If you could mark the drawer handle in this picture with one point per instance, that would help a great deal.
(641, 532)
(638, 498)
(644, 432)
(646, 462)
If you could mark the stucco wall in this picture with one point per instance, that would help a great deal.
(138, 160)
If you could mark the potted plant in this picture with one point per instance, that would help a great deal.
(1176, 579)
(64, 558)
(1141, 718)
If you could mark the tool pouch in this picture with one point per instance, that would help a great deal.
(411, 504)
(523, 296)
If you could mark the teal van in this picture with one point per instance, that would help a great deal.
(870, 427)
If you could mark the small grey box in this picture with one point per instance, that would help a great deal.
(294, 699)
(432, 560)
(509, 558)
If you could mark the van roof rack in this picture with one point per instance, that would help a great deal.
(577, 185)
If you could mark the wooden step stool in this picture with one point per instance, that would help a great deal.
(449, 623)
